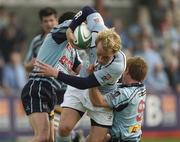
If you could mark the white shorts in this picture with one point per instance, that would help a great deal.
(79, 100)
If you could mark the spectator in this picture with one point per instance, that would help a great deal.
(11, 37)
(14, 75)
(126, 42)
(4, 19)
(156, 77)
(1, 75)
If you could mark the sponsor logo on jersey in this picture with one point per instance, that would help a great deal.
(65, 61)
(134, 128)
(97, 20)
(106, 77)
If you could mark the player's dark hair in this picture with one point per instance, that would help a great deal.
(66, 16)
(137, 68)
(48, 11)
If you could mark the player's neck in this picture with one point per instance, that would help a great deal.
(129, 81)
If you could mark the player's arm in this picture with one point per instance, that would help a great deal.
(97, 98)
(29, 65)
(98, 78)
(77, 82)
(116, 100)
(29, 60)
(80, 17)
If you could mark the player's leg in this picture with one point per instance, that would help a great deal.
(71, 113)
(38, 101)
(101, 121)
(97, 132)
(69, 118)
(40, 125)
(51, 127)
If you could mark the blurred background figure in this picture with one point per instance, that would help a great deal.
(126, 42)
(48, 20)
(156, 77)
(12, 36)
(14, 74)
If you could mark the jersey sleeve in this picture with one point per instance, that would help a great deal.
(95, 22)
(81, 17)
(118, 99)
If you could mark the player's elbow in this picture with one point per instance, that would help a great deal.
(88, 10)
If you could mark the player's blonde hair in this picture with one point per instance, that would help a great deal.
(109, 39)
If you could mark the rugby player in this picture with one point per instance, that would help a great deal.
(127, 102)
(39, 94)
(111, 63)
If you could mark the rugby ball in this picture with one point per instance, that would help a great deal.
(82, 36)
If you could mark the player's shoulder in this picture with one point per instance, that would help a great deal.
(37, 38)
(125, 91)
(63, 25)
(120, 56)
(132, 89)
(118, 62)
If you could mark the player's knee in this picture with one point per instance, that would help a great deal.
(64, 130)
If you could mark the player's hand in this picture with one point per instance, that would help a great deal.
(29, 66)
(71, 72)
(90, 69)
(70, 37)
(46, 70)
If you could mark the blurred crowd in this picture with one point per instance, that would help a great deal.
(12, 44)
(154, 35)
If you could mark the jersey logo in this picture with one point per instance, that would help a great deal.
(106, 77)
(65, 61)
(97, 20)
(141, 107)
(78, 15)
(134, 129)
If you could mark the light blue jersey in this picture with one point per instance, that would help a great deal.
(57, 52)
(128, 103)
(108, 75)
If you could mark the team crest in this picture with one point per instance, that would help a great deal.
(106, 77)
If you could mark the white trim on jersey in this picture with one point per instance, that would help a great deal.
(40, 106)
(31, 96)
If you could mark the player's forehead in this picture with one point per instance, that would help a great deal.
(101, 51)
(49, 17)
